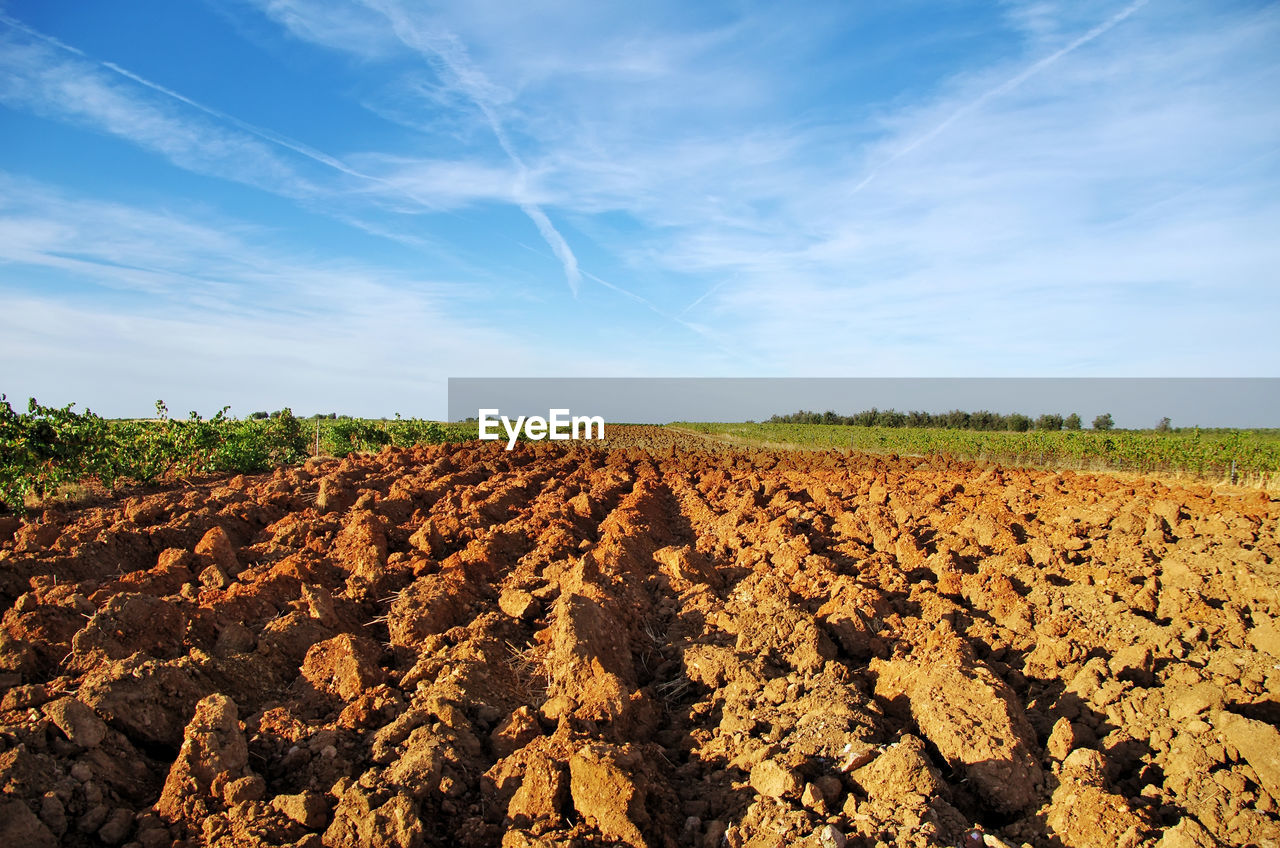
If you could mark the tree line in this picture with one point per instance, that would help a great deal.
(956, 419)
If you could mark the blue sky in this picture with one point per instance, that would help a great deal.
(336, 206)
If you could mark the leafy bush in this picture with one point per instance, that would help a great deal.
(349, 435)
(47, 447)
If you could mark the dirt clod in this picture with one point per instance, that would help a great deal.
(664, 642)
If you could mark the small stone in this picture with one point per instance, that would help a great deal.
(1062, 739)
(80, 771)
(775, 691)
(216, 545)
(812, 798)
(831, 837)
(306, 808)
(1087, 766)
(77, 720)
(518, 604)
(214, 577)
(344, 666)
(854, 758)
(831, 788)
(773, 780)
(117, 827)
(320, 605)
(248, 788)
(91, 821)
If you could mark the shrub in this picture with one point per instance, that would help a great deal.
(1049, 422)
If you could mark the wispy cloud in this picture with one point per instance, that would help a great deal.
(182, 263)
(1052, 187)
(49, 78)
(446, 51)
(1003, 88)
(180, 307)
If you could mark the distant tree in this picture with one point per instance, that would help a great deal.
(892, 418)
(1072, 422)
(259, 416)
(986, 420)
(1018, 422)
(1165, 425)
(1049, 421)
(866, 418)
(1103, 422)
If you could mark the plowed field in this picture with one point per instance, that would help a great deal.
(657, 645)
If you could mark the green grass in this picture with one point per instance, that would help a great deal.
(1208, 454)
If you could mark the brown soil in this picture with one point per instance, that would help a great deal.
(651, 645)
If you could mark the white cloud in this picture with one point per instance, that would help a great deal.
(1103, 179)
(59, 83)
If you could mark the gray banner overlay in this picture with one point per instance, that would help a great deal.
(1132, 402)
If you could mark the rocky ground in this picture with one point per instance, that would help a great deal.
(656, 645)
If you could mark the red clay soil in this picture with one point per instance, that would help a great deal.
(645, 646)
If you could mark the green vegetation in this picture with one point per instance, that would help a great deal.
(956, 419)
(343, 436)
(1249, 454)
(46, 449)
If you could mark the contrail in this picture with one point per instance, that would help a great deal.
(556, 242)
(467, 79)
(453, 57)
(265, 134)
(706, 294)
(262, 133)
(1003, 88)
